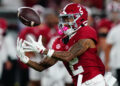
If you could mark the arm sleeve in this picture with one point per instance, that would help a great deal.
(87, 33)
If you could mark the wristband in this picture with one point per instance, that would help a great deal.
(50, 53)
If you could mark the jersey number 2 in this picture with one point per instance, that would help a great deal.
(78, 70)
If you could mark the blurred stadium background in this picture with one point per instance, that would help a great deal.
(103, 16)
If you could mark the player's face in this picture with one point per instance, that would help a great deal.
(65, 24)
(66, 20)
(102, 32)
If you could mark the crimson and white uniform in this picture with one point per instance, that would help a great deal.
(88, 64)
(86, 69)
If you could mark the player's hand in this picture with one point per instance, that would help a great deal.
(33, 45)
(21, 52)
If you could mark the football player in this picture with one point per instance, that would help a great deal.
(76, 47)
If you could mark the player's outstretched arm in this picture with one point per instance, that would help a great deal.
(44, 64)
(77, 49)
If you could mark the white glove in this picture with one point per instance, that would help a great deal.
(33, 45)
(21, 52)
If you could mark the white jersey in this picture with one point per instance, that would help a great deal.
(3, 56)
(7, 48)
(114, 39)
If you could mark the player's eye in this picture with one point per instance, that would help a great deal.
(66, 19)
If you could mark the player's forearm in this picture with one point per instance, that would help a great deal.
(107, 52)
(61, 55)
(37, 66)
(107, 56)
(77, 49)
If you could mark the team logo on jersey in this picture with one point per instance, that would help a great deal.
(67, 47)
(58, 46)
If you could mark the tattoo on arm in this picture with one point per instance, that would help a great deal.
(46, 63)
(77, 49)
(80, 47)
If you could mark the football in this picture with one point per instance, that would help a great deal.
(28, 16)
